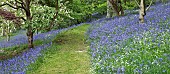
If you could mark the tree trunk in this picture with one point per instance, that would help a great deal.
(3, 31)
(30, 38)
(8, 37)
(8, 31)
(142, 11)
(109, 13)
(29, 29)
(121, 12)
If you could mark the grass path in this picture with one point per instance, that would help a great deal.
(67, 55)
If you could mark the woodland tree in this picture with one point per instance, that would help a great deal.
(30, 25)
(24, 5)
(8, 23)
(142, 10)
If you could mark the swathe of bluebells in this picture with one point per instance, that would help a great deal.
(18, 64)
(123, 45)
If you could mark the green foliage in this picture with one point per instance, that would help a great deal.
(101, 8)
(131, 4)
(70, 12)
(83, 10)
(50, 3)
(42, 16)
(10, 52)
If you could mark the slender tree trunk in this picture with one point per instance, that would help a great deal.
(8, 31)
(109, 14)
(3, 31)
(142, 11)
(8, 37)
(30, 38)
(29, 29)
(37, 31)
(121, 12)
(30, 35)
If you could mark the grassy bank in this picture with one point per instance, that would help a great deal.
(67, 55)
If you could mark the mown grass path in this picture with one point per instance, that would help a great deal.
(67, 55)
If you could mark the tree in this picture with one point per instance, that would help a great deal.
(2, 27)
(7, 27)
(142, 10)
(9, 23)
(32, 22)
(23, 5)
(8, 15)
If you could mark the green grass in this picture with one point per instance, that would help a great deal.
(12, 51)
(67, 55)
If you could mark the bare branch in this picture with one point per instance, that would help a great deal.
(137, 3)
(149, 5)
(16, 6)
(23, 4)
(22, 7)
(9, 5)
(18, 2)
(22, 18)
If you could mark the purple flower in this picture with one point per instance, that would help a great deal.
(126, 37)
